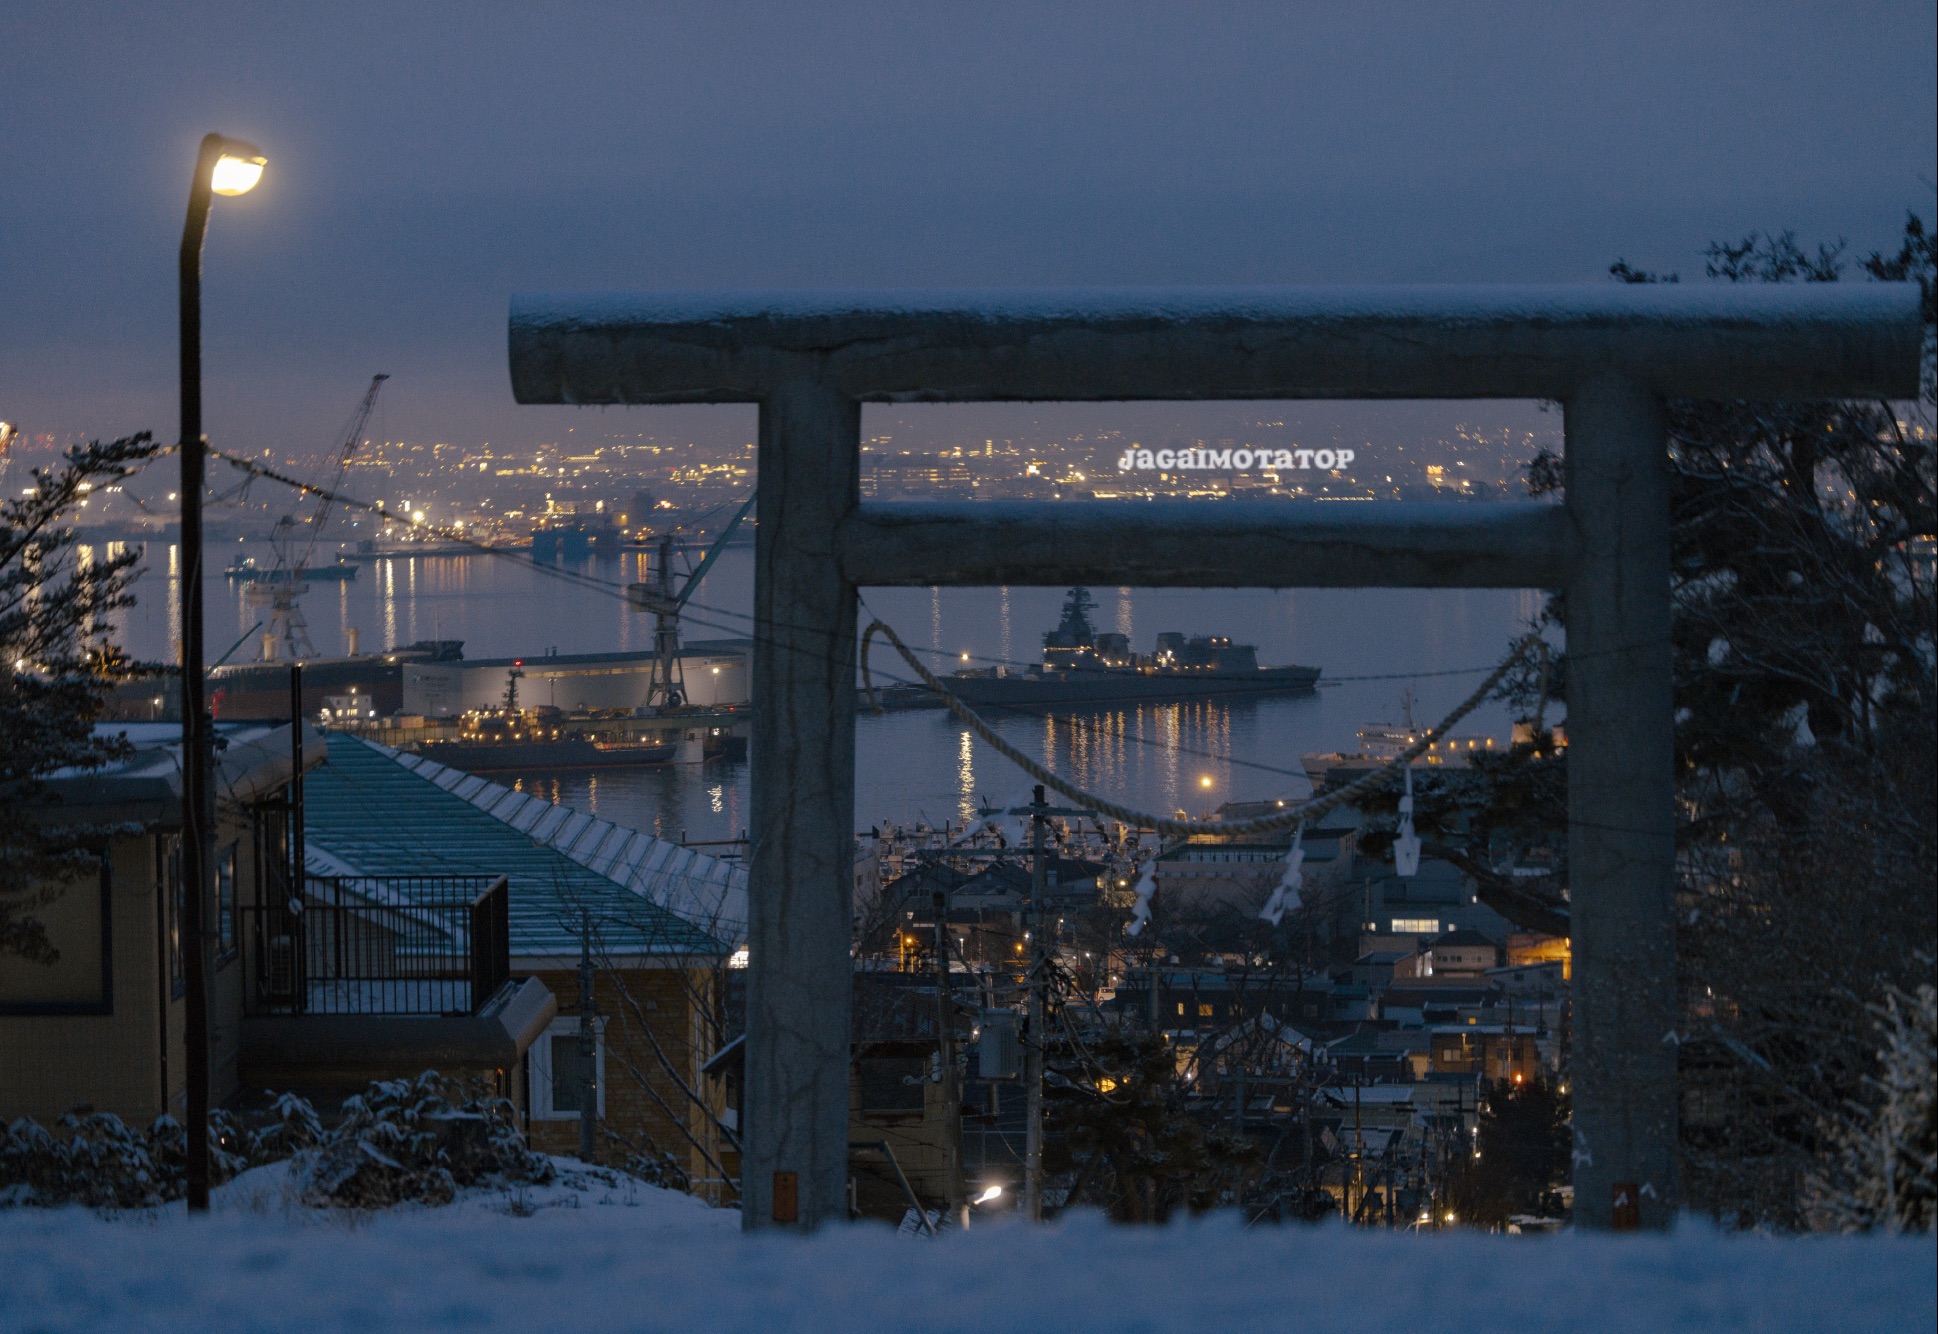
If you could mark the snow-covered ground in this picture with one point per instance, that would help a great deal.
(589, 1255)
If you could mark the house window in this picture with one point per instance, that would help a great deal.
(1416, 926)
(893, 1083)
(225, 903)
(1204, 1011)
(558, 1070)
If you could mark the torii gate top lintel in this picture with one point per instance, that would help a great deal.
(1711, 341)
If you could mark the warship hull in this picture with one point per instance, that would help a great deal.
(1052, 690)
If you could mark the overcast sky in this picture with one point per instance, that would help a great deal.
(428, 160)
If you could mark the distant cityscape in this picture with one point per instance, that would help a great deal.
(646, 485)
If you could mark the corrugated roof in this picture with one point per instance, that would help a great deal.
(707, 892)
(370, 812)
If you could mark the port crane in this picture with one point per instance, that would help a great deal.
(283, 588)
(668, 689)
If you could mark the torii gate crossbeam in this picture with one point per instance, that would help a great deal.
(1609, 355)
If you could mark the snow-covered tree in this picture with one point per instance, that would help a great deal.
(57, 660)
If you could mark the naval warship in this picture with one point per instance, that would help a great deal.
(1082, 667)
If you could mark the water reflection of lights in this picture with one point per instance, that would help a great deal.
(174, 601)
(717, 798)
(390, 604)
(1144, 747)
(966, 775)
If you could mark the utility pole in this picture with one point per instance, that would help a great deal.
(588, 1048)
(1033, 1089)
(1359, 1148)
(945, 1054)
(298, 853)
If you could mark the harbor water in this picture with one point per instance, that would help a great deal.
(1373, 647)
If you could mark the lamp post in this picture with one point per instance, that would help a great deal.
(223, 167)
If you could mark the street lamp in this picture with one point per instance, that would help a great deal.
(223, 167)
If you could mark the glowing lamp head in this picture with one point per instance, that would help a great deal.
(992, 1193)
(238, 169)
(1205, 781)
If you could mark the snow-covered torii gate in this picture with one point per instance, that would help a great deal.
(1608, 354)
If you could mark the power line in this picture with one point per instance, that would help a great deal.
(617, 591)
(613, 589)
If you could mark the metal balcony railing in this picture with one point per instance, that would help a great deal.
(396, 945)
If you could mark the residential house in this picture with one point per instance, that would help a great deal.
(1208, 871)
(1424, 1003)
(103, 1025)
(1379, 969)
(1463, 954)
(1491, 1052)
(659, 922)
(987, 909)
(1531, 947)
(1416, 909)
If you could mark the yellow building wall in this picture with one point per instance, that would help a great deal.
(115, 1061)
(53, 1063)
(644, 1104)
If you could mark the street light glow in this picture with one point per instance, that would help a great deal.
(237, 170)
(994, 1192)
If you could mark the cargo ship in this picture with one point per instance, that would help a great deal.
(1083, 667)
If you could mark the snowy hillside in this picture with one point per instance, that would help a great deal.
(590, 1256)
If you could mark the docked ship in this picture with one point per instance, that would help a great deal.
(246, 567)
(1083, 667)
(510, 738)
(491, 740)
(1382, 743)
(371, 549)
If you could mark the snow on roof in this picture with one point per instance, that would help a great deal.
(371, 812)
(1749, 304)
(706, 891)
(1368, 1094)
(1463, 936)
